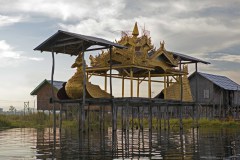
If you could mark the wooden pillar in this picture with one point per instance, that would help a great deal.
(123, 86)
(149, 84)
(131, 82)
(168, 81)
(138, 85)
(84, 93)
(105, 83)
(195, 116)
(110, 70)
(60, 118)
(53, 98)
(181, 97)
(165, 88)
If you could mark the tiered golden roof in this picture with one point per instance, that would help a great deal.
(140, 60)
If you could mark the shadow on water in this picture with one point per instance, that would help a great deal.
(122, 144)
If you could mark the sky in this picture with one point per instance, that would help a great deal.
(206, 29)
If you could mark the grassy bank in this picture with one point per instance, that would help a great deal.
(40, 120)
(36, 120)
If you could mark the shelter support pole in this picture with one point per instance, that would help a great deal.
(131, 82)
(60, 118)
(113, 108)
(149, 84)
(54, 107)
(105, 83)
(84, 93)
(123, 86)
(138, 85)
(165, 88)
(196, 96)
(167, 81)
(181, 97)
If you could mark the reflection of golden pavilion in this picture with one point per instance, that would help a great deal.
(140, 62)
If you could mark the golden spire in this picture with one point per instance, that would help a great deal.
(162, 45)
(135, 30)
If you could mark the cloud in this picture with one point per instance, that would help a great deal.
(228, 58)
(9, 20)
(10, 57)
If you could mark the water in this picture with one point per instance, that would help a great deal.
(29, 143)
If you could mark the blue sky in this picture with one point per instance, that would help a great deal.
(209, 30)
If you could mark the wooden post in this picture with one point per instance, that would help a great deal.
(138, 84)
(53, 98)
(110, 71)
(105, 83)
(181, 95)
(150, 117)
(195, 116)
(168, 81)
(165, 118)
(131, 82)
(165, 88)
(84, 93)
(149, 84)
(168, 118)
(60, 118)
(123, 86)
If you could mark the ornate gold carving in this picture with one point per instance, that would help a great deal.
(140, 52)
(74, 86)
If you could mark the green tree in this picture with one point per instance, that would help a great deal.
(12, 109)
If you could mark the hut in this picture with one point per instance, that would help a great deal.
(44, 92)
(217, 91)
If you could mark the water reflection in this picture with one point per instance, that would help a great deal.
(121, 144)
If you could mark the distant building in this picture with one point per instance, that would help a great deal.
(214, 90)
(44, 92)
(1, 110)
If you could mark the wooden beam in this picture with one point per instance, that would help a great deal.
(117, 67)
(116, 76)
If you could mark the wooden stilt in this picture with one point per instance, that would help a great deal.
(60, 118)
(123, 86)
(150, 117)
(105, 84)
(131, 82)
(181, 98)
(168, 120)
(165, 119)
(149, 84)
(138, 85)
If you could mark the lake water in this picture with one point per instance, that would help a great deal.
(29, 143)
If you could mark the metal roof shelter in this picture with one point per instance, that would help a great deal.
(72, 44)
(189, 58)
(221, 81)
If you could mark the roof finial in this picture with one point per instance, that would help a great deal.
(135, 30)
(162, 45)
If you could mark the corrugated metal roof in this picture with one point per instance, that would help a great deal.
(221, 81)
(72, 43)
(189, 58)
(56, 84)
